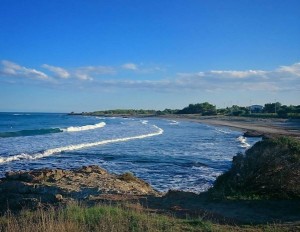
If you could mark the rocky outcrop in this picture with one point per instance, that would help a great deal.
(270, 169)
(31, 188)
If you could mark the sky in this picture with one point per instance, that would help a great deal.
(63, 55)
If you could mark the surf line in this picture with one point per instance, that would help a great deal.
(50, 131)
(76, 147)
(83, 128)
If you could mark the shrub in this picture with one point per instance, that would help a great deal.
(270, 169)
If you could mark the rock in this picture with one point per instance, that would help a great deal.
(58, 197)
(253, 134)
(16, 187)
(12, 175)
(92, 169)
(56, 185)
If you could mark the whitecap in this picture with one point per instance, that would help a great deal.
(173, 122)
(243, 142)
(83, 128)
(52, 151)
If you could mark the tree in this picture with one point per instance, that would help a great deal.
(199, 108)
(272, 107)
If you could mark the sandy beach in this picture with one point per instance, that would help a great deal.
(256, 126)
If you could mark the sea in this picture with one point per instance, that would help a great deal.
(168, 154)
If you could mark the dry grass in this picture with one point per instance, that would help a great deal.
(97, 218)
(104, 218)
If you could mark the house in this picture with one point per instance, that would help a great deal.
(256, 108)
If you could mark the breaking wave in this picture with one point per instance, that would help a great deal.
(52, 151)
(50, 130)
(243, 142)
(173, 122)
(83, 128)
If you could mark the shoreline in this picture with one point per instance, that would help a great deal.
(94, 185)
(252, 127)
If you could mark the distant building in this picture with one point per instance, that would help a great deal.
(256, 108)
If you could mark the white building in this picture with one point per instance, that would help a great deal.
(256, 108)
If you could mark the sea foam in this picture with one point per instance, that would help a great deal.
(52, 151)
(222, 131)
(243, 142)
(83, 128)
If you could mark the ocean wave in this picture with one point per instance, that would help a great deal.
(145, 122)
(83, 128)
(222, 131)
(29, 132)
(52, 151)
(20, 114)
(49, 130)
(195, 164)
(243, 142)
(173, 122)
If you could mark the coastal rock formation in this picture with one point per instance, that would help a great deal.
(31, 188)
(270, 170)
(250, 133)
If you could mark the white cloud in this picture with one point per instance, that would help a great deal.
(82, 76)
(130, 66)
(9, 68)
(236, 74)
(58, 71)
(97, 69)
(292, 69)
(88, 72)
(283, 78)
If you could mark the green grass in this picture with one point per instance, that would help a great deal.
(104, 218)
(96, 218)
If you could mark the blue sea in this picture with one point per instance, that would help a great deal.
(166, 153)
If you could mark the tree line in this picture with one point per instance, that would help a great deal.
(206, 109)
(268, 110)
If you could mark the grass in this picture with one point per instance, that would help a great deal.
(104, 218)
(96, 218)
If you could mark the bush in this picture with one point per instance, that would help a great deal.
(270, 169)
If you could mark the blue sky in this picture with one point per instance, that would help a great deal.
(61, 55)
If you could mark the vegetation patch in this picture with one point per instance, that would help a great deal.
(106, 218)
(96, 218)
(268, 170)
(128, 177)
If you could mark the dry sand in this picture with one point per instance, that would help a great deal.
(267, 127)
